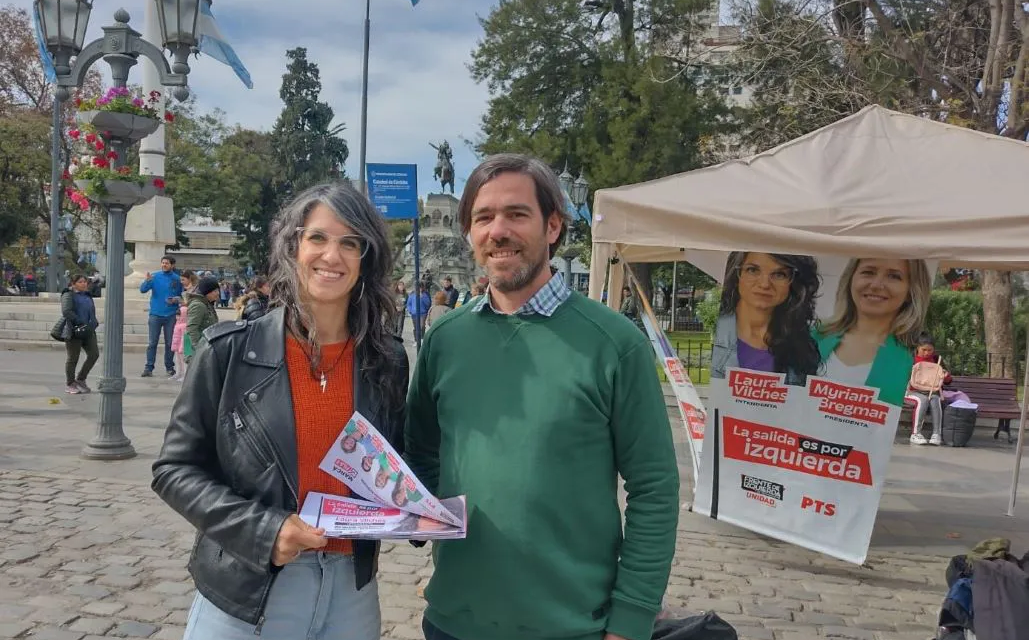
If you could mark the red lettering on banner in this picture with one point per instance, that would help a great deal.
(763, 444)
(675, 371)
(759, 387)
(340, 508)
(694, 420)
(760, 498)
(827, 509)
(849, 402)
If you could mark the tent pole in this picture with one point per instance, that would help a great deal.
(1021, 438)
(675, 293)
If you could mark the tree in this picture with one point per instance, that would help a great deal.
(952, 60)
(601, 85)
(191, 162)
(308, 148)
(248, 193)
(24, 158)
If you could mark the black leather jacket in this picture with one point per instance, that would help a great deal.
(229, 460)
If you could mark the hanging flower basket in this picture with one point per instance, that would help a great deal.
(119, 125)
(124, 193)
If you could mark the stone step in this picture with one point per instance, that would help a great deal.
(127, 338)
(45, 326)
(52, 345)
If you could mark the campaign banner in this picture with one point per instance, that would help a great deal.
(810, 363)
(393, 189)
(691, 409)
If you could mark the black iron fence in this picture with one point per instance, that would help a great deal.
(695, 358)
(683, 321)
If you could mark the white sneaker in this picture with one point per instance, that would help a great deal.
(917, 438)
(936, 440)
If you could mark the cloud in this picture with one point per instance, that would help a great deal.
(420, 89)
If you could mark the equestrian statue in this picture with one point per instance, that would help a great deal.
(444, 171)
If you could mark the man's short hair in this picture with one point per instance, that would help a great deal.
(448, 279)
(170, 259)
(549, 196)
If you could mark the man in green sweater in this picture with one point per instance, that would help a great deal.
(531, 400)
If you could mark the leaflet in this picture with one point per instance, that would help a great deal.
(353, 518)
(364, 461)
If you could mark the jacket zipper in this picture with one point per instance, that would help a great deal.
(249, 437)
(253, 437)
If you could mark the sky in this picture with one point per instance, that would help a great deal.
(419, 87)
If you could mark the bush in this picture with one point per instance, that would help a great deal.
(707, 309)
(955, 321)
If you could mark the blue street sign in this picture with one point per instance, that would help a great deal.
(393, 189)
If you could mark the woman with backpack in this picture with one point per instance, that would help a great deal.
(927, 380)
(79, 314)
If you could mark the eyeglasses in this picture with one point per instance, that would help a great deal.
(349, 245)
(751, 273)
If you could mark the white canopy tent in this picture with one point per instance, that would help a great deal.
(875, 184)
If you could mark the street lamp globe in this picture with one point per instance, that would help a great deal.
(566, 180)
(580, 190)
(63, 24)
(179, 21)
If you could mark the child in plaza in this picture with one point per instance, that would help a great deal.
(925, 351)
(178, 343)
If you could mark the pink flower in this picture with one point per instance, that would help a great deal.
(74, 134)
(137, 102)
(90, 138)
(168, 117)
(84, 204)
(66, 175)
(159, 183)
(112, 155)
(99, 145)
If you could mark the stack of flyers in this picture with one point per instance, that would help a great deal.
(394, 503)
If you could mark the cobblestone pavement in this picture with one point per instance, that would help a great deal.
(85, 558)
(89, 551)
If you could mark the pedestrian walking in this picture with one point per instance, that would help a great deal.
(200, 313)
(265, 401)
(451, 292)
(571, 393)
(79, 313)
(165, 288)
(179, 342)
(418, 304)
(401, 304)
(439, 308)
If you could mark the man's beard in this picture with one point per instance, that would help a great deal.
(520, 277)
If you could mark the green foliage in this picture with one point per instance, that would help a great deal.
(955, 321)
(24, 163)
(307, 147)
(249, 193)
(707, 309)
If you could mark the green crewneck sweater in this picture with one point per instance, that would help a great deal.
(533, 418)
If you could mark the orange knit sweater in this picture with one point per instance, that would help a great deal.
(319, 417)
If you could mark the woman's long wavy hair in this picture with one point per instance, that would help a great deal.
(790, 342)
(371, 317)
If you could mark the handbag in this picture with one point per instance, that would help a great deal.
(61, 332)
(927, 377)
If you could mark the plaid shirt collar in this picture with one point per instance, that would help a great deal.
(545, 302)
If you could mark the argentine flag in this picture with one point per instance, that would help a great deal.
(213, 43)
(44, 55)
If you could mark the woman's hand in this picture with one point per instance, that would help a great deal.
(295, 537)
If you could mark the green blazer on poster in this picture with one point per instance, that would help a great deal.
(890, 370)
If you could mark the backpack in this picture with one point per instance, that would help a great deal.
(927, 376)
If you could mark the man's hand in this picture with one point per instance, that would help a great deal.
(149, 276)
(611, 636)
(296, 536)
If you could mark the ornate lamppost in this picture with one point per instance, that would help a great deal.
(577, 190)
(64, 25)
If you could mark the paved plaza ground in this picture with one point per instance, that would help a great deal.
(89, 551)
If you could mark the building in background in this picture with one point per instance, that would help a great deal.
(209, 248)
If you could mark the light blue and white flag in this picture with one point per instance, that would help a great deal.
(44, 55)
(414, 3)
(213, 43)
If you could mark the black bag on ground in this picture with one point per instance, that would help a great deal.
(707, 626)
(61, 331)
(958, 425)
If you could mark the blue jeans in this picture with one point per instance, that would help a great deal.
(314, 597)
(154, 326)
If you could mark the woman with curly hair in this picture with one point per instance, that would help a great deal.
(766, 315)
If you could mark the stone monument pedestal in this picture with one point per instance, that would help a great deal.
(444, 251)
(151, 226)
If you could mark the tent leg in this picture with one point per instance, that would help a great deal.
(1021, 440)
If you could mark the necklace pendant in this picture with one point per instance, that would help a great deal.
(323, 382)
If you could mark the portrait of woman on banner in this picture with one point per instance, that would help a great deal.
(879, 312)
(766, 314)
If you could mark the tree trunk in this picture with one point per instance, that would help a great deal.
(642, 271)
(999, 325)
